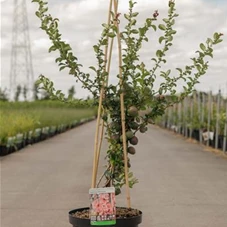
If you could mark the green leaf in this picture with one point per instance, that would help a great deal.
(180, 70)
(105, 25)
(159, 53)
(154, 27)
(131, 4)
(135, 14)
(67, 48)
(61, 68)
(215, 35)
(168, 72)
(161, 39)
(134, 31)
(202, 46)
(218, 41)
(58, 59)
(96, 48)
(105, 42)
(111, 35)
(210, 54)
(170, 38)
(58, 92)
(37, 14)
(38, 82)
(52, 48)
(172, 32)
(172, 22)
(93, 68)
(162, 27)
(148, 21)
(127, 16)
(133, 22)
(142, 31)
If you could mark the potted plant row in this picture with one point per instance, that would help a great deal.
(14, 143)
(193, 125)
(120, 106)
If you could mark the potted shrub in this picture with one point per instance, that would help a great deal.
(125, 108)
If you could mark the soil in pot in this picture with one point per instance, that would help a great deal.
(126, 217)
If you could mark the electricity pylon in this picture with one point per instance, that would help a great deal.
(21, 71)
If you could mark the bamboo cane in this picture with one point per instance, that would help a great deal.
(102, 126)
(96, 146)
(122, 108)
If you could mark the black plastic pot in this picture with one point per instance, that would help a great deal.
(3, 150)
(126, 222)
(195, 134)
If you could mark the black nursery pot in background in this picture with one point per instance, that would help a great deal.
(3, 150)
(195, 134)
(122, 222)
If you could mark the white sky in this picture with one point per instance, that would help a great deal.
(80, 24)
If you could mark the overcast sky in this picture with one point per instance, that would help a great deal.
(80, 24)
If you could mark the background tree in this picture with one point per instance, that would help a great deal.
(3, 95)
(18, 93)
(36, 92)
(71, 92)
(25, 92)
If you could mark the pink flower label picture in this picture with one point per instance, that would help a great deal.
(102, 206)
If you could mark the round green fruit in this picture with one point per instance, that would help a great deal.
(134, 125)
(129, 135)
(115, 125)
(133, 111)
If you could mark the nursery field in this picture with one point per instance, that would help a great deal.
(23, 123)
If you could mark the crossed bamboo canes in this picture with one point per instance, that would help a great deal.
(99, 135)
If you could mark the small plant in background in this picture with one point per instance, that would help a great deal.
(120, 105)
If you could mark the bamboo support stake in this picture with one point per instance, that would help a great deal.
(102, 126)
(107, 69)
(93, 184)
(122, 108)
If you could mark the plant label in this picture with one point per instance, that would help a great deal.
(102, 206)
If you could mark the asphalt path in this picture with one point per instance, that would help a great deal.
(180, 183)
